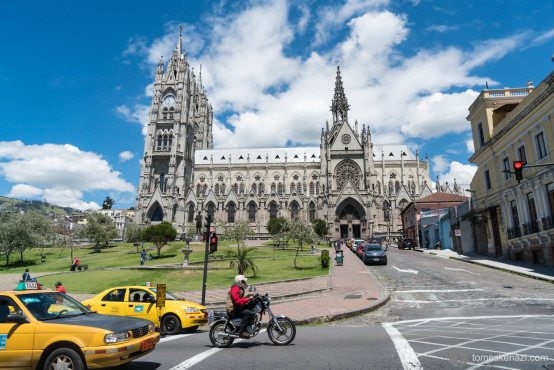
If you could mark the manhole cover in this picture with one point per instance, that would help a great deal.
(372, 299)
(507, 287)
(353, 296)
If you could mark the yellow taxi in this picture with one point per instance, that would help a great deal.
(140, 301)
(42, 329)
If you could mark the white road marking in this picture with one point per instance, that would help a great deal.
(472, 318)
(479, 299)
(469, 272)
(202, 356)
(173, 337)
(405, 352)
(507, 354)
(410, 271)
(439, 290)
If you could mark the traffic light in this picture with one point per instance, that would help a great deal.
(518, 170)
(213, 242)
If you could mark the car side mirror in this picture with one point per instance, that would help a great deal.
(18, 318)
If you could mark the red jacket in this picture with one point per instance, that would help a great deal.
(235, 294)
(61, 289)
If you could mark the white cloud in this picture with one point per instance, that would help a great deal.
(440, 163)
(125, 156)
(139, 114)
(441, 28)
(25, 191)
(461, 173)
(470, 147)
(61, 172)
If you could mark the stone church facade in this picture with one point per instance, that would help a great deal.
(358, 188)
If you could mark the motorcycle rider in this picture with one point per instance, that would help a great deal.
(238, 305)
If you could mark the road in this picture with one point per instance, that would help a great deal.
(442, 314)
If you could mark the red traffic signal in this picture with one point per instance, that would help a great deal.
(518, 170)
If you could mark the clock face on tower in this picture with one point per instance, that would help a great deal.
(169, 101)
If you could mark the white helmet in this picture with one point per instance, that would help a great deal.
(240, 279)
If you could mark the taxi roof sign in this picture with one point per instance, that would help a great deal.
(28, 285)
(147, 283)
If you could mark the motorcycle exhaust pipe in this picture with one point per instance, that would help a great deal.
(228, 335)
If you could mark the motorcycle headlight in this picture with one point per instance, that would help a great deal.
(116, 337)
(191, 309)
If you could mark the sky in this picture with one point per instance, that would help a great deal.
(76, 79)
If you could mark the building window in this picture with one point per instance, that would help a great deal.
(160, 139)
(515, 217)
(198, 190)
(280, 189)
(317, 188)
(204, 190)
(487, 175)
(312, 188)
(216, 189)
(222, 189)
(299, 188)
(506, 168)
(481, 135)
(242, 188)
(292, 187)
(252, 212)
(254, 188)
(211, 210)
(521, 155)
(541, 147)
(191, 213)
(294, 210)
(236, 188)
(231, 213)
(272, 210)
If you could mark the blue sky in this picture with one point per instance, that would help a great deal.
(75, 79)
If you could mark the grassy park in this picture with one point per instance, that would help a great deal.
(105, 268)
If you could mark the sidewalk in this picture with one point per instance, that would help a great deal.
(527, 269)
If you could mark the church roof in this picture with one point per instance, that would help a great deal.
(257, 155)
(439, 197)
(393, 152)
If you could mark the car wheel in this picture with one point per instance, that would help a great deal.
(64, 358)
(171, 324)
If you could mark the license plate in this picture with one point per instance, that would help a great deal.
(376, 259)
(146, 344)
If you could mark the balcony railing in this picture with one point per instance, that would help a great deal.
(530, 228)
(514, 232)
(547, 223)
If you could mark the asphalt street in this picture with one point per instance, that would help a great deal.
(442, 314)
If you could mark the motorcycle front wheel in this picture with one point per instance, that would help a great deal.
(216, 339)
(284, 336)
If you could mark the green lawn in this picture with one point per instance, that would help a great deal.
(273, 265)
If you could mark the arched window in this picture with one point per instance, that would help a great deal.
(171, 113)
(294, 210)
(162, 182)
(312, 212)
(222, 189)
(260, 188)
(170, 142)
(272, 210)
(164, 113)
(299, 188)
(312, 188)
(291, 187)
(164, 147)
(231, 212)
(205, 190)
(252, 212)
(159, 142)
(236, 188)
(216, 189)
(242, 188)
(396, 187)
(198, 190)
(191, 213)
(280, 189)
(211, 209)
(254, 188)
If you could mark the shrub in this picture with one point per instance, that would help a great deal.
(325, 258)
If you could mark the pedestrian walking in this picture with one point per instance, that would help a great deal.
(142, 257)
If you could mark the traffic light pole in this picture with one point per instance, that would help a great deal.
(207, 233)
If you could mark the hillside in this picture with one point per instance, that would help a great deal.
(35, 205)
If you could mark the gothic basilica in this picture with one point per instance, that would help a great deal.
(357, 187)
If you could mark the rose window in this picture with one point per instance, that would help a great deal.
(346, 172)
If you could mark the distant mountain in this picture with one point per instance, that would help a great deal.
(35, 205)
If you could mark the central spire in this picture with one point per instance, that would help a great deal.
(339, 105)
(179, 47)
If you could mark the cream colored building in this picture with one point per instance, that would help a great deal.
(511, 219)
(120, 217)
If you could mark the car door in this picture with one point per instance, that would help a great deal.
(16, 340)
(139, 304)
(113, 303)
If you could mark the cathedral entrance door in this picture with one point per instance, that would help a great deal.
(344, 231)
(356, 231)
(350, 214)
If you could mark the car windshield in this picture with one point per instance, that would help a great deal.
(373, 247)
(169, 296)
(52, 305)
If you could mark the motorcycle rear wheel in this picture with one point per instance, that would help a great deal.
(216, 339)
(284, 337)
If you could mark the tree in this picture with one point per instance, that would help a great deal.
(133, 233)
(19, 232)
(301, 232)
(237, 231)
(159, 234)
(277, 225)
(99, 228)
(108, 203)
(241, 262)
(320, 227)
(66, 241)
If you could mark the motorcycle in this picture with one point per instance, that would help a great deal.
(223, 332)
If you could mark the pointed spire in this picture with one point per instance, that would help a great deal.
(200, 79)
(437, 184)
(179, 47)
(339, 104)
(356, 128)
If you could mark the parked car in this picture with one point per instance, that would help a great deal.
(360, 249)
(374, 253)
(407, 244)
(356, 243)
